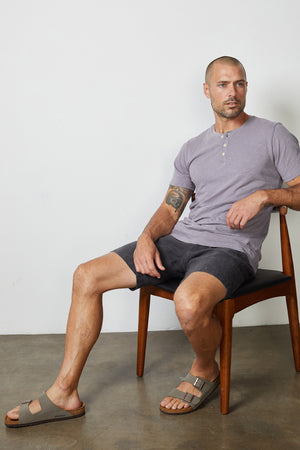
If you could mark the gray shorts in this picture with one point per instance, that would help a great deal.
(180, 259)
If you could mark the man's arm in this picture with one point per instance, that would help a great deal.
(146, 256)
(245, 209)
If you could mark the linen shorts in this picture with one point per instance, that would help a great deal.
(180, 259)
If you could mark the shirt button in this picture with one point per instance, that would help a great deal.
(223, 154)
(224, 145)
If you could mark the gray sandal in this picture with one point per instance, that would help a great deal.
(49, 413)
(204, 386)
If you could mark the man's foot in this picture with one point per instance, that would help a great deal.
(173, 403)
(60, 399)
(48, 412)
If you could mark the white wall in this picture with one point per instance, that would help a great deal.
(96, 99)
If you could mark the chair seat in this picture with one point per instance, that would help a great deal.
(264, 278)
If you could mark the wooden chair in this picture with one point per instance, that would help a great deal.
(266, 284)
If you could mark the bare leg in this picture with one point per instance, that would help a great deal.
(195, 300)
(91, 280)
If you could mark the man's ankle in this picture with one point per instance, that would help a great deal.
(61, 388)
(209, 372)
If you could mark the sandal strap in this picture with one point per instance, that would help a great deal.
(48, 411)
(186, 397)
(200, 383)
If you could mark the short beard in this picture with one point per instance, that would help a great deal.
(231, 114)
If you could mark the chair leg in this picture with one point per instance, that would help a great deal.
(292, 307)
(225, 316)
(142, 330)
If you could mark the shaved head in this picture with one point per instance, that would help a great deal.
(229, 60)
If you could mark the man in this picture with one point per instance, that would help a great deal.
(236, 169)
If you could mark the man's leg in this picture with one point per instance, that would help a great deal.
(195, 300)
(91, 280)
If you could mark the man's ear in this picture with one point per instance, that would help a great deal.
(206, 90)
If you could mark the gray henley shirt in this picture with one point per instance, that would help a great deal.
(224, 168)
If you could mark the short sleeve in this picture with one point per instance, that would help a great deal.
(286, 153)
(181, 176)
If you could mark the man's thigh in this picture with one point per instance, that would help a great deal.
(171, 252)
(109, 272)
(230, 267)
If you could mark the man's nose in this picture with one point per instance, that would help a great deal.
(232, 90)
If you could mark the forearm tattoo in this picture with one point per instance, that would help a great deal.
(178, 197)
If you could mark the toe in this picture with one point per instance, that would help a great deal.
(14, 413)
(166, 401)
(170, 403)
(182, 405)
(173, 403)
(179, 404)
(176, 404)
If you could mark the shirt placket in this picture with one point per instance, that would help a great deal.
(224, 146)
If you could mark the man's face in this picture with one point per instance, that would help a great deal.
(226, 88)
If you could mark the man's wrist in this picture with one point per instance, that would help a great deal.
(265, 198)
(275, 197)
(146, 235)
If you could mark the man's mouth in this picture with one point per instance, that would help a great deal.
(232, 103)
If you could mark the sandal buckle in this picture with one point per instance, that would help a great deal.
(196, 382)
(190, 397)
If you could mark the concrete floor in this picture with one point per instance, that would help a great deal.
(122, 410)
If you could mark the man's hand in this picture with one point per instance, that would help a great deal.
(245, 209)
(146, 257)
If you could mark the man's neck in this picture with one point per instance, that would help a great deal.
(223, 124)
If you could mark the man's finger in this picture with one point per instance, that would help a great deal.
(229, 219)
(243, 222)
(158, 262)
(153, 273)
(151, 269)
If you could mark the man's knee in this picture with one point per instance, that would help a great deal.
(85, 279)
(194, 309)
